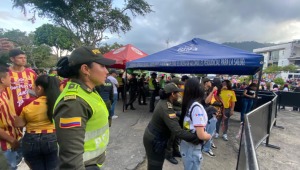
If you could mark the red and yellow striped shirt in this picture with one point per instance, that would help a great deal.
(20, 83)
(36, 117)
(7, 113)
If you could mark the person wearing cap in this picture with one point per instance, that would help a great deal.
(153, 90)
(163, 123)
(172, 149)
(193, 119)
(113, 79)
(22, 79)
(80, 114)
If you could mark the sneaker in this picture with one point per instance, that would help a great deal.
(216, 135)
(213, 146)
(114, 116)
(209, 153)
(225, 137)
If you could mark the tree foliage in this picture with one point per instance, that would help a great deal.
(57, 37)
(87, 19)
(272, 69)
(105, 48)
(37, 56)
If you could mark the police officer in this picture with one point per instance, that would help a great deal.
(153, 89)
(163, 123)
(133, 90)
(106, 91)
(80, 114)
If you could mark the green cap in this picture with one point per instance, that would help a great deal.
(85, 54)
(177, 81)
(172, 87)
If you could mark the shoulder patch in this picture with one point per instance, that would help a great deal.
(170, 105)
(172, 115)
(70, 122)
(71, 97)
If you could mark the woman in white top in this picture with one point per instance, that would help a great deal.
(193, 119)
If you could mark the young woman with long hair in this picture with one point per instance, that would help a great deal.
(228, 98)
(193, 119)
(39, 142)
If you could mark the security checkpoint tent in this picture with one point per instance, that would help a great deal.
(200, 56)
(124, 54)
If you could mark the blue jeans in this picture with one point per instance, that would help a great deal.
(210, 128)
(13, 158)
(191, 155)
(40, 151)
(113, 105)
(247, 106)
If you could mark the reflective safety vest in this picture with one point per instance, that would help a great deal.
(151, 85)
(97, 130)
(120, 81)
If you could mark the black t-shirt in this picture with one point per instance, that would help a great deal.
(249, 92)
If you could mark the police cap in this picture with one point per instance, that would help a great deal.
(172, 87)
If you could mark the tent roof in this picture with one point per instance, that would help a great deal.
(124, 54)
(200, 56)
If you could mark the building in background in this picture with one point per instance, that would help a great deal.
(281, 54)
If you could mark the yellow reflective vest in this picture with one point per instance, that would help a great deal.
(97, 130)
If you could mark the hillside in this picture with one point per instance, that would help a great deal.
(247, 45)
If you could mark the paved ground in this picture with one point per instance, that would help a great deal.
(126, 150)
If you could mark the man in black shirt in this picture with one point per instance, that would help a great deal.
(133, 89)
(142, 90)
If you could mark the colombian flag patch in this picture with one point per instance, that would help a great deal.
(70, 122)
(173, 115)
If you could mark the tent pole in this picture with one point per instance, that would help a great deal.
(124, 91)
(257, 86)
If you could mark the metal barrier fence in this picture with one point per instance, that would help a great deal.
(289, 99)
(256, 129)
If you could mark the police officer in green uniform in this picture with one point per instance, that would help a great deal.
(80, 114)
(163, 123)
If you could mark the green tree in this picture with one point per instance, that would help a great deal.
(272, 69)
(105, 48)
(87, 19)
(37, 56)
(56, 37)
(279, 81)
(290, 68)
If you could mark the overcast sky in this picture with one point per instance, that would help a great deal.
(178, 21)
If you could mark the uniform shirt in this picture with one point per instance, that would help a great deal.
(36, 117)
(196, 117)
(106, 91)
(7, 113)
(20, 83)
(71, 140)
(114, 82)
(164, 121)
(227, 97)
(133, 84)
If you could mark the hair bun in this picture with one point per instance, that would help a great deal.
(63, 68)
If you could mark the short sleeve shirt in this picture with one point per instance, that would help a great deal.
(198, 115)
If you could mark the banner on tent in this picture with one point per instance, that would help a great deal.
(193, 63)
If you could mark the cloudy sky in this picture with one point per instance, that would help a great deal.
(178, 21)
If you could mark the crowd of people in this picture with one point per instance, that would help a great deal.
(61, 119)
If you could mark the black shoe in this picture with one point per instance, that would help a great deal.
(132, 108)
(145, 103)
(140, 104)
(172, 160)
(151, 111)
(177, 154)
